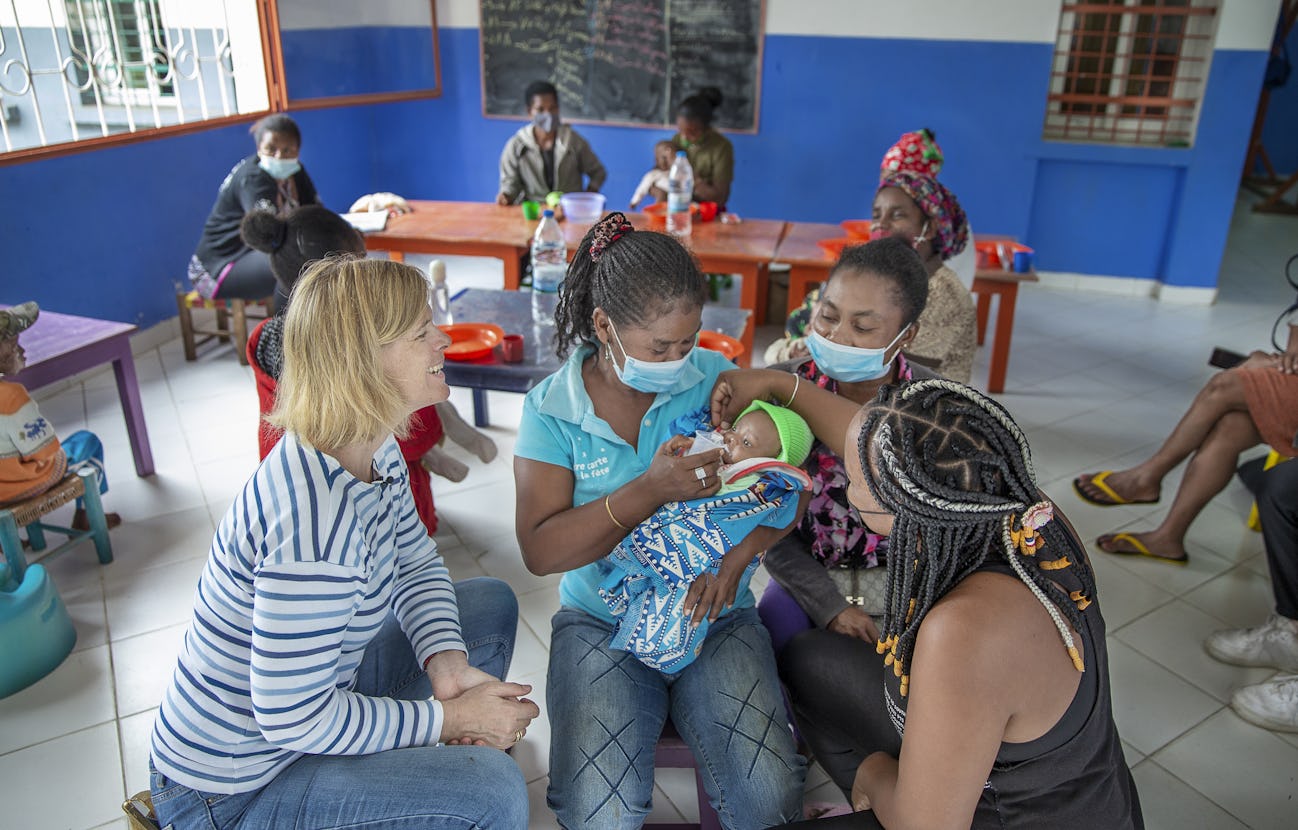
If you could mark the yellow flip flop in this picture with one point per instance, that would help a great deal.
(1114, 498)
(1140, 549)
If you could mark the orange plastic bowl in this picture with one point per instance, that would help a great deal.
(471, 341)
(657, 213)
(834, 247)
(718, 342)
(857, 228)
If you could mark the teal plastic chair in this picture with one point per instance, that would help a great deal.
(36, 633)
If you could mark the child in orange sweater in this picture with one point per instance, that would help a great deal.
(32, 459)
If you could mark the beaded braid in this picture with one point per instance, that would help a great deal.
(633, 275)
(956, 472)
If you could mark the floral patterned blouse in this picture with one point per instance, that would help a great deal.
(831, 528)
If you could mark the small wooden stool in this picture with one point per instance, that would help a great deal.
(36, 633)
(673, 753)
(231, 321)
(139, 812)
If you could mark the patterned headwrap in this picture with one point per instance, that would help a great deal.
(916, 152)
(947, 223)
(608, 230)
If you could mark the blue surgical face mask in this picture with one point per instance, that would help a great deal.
(544, 121)
(646, 375)
(279, 168)
(849, 364)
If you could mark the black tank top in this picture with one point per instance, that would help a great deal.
(1074, 777)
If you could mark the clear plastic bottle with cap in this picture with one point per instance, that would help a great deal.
(441, 294)
(680, 192)
(549, 267)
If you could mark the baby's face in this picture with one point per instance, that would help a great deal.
(752, 436)
(663, 155)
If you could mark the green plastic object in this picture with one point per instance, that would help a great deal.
(36, 633)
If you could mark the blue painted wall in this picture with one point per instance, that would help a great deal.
(106, 232)
(830, 108)
(326, 62)
(1280, 135)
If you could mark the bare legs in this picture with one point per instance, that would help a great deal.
(1215, 430)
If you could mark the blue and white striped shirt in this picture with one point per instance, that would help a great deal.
(303, 570)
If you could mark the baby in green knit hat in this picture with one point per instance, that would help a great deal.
(677, 571)
(763, 431)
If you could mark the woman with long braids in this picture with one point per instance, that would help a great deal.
(594, 458)
(990, 674)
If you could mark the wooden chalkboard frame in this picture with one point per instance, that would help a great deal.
(670, 125)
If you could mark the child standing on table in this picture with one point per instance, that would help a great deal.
(32, 459)
(676, 571)
(664, 152)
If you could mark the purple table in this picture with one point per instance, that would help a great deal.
(59, 345)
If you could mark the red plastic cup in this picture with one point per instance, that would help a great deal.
(511, 348)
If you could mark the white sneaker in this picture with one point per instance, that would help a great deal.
(1270, 705)
(1274, 644)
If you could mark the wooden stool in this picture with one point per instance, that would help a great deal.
(231, 321)
(36, 633)
(673, 753)
(139, 812)
(83, 483)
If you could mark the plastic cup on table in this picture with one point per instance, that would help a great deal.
(1022, 262)
(511, 348)
(531, 210)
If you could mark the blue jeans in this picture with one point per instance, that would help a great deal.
(607, 710)
(429, 786)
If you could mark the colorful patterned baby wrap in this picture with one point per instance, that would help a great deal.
(648, 575)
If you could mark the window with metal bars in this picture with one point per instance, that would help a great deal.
(1130, 71)
(83, 72)
(124, 41)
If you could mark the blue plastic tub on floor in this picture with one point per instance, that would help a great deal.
(36, 633)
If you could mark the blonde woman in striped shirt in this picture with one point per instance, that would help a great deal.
(332, 674)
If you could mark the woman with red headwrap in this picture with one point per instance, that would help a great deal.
(920, 210)
(930, 218)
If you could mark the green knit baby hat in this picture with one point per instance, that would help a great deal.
(795, 436)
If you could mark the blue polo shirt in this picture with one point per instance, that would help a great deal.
(560, 427)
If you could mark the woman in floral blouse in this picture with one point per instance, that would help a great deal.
(868, 312)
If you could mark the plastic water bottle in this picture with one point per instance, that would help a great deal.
(680, 192)
(441, 294)
(549, 266)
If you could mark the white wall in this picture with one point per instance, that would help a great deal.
(1243, 24)
(346, 14)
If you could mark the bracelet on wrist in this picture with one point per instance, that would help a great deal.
(609, 508)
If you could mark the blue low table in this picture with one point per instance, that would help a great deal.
(512, 311)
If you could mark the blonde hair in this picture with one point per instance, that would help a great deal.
(333, 391)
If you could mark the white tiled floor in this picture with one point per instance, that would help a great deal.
(1097, 380)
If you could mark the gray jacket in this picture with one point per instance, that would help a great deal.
(522, 169)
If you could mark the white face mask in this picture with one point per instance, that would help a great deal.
(279, 168)
(647, 375)
(544, 121)
(850, 364)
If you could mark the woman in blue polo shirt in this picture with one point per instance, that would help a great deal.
(595, 457)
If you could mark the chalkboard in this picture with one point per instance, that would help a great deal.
(623, 61)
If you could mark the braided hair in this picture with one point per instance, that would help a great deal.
(635, 276)
(956, 472)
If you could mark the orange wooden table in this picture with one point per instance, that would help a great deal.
(487, 229)
(808, 263)
(462, 228)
